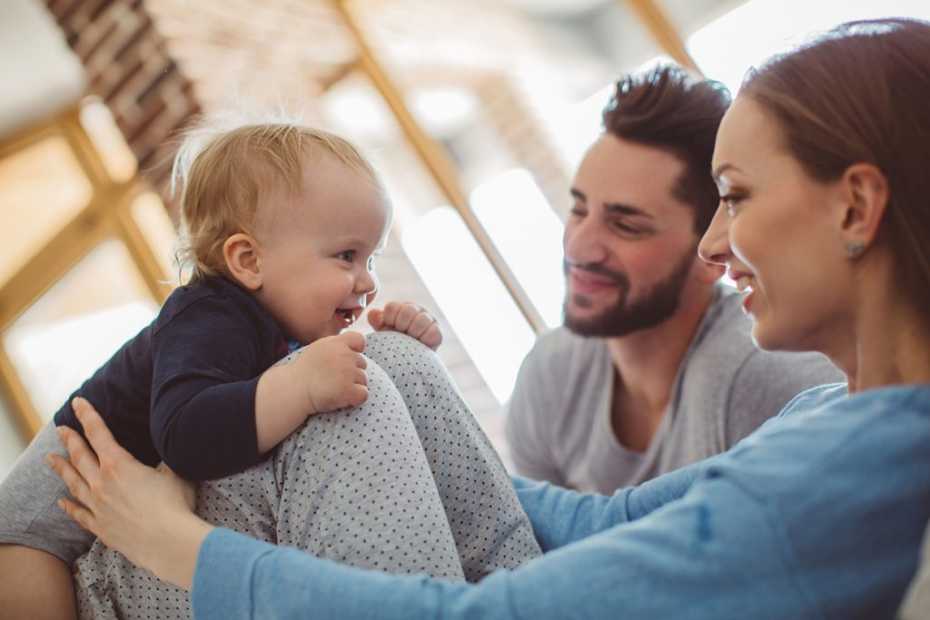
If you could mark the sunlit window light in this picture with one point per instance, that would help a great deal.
(54, 359)
(528, 233)
(478, 307)
(577, 125)
(744, 37)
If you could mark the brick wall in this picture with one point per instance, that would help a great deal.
(129, 67)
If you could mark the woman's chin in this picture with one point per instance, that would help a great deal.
(767, 338)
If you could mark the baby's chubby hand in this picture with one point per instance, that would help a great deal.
(407, 318)
(334, 372)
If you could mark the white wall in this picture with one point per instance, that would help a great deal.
(11, 441)
(40, 73)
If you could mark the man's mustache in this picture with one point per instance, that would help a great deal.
(617, 276)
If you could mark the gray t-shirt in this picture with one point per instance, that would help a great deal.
(558, 418)
(916, 604)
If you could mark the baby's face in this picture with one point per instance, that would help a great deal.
(317, 252)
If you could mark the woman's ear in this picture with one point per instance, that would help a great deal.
(243, 260)
(865, 198)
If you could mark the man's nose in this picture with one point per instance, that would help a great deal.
(583, 242)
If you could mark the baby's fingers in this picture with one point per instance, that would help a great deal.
(432, 337)
(357, 395)
(376, 318)
(406, 315)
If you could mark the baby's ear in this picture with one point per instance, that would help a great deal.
(243, 260)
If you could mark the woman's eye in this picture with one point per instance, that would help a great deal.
(730, 203)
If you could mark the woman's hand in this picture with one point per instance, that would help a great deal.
(144, 513)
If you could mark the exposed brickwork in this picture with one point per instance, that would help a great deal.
(129, 67)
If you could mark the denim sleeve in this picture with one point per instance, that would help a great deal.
(561, 516)
(714, 554)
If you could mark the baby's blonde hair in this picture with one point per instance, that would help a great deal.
(225, 172)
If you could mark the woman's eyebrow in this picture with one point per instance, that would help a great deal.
(723, 168)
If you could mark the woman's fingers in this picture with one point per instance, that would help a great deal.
(99, 436)
(82, 462)
(76, 484)
(79, 514)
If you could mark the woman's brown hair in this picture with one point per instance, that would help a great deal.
(861, 93)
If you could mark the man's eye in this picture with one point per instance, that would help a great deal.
(626, 229)
(347, 255)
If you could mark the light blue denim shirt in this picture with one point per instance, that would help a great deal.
(818, 514)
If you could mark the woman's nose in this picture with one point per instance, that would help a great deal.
(715, 244)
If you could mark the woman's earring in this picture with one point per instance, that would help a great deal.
(854, 249)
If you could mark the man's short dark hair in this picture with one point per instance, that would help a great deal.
(664, 107)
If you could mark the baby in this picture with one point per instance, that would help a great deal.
(280, 227)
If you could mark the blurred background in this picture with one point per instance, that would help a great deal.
(475, 112)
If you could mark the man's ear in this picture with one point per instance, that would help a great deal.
(243, 260)
(864, 198)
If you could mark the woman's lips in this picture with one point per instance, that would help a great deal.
(744, 283)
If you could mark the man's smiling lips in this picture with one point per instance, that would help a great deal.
(585, 282)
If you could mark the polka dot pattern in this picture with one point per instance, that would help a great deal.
(405, 483)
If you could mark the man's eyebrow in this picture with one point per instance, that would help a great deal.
(614, 208)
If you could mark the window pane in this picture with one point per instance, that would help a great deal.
(108, 141)
(153, 220)
(41, 188)
(78, 324)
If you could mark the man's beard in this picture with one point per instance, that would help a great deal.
(655, 307)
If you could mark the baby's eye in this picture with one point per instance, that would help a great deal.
(346, 255)
(370, 265)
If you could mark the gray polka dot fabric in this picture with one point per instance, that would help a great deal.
(405, 483)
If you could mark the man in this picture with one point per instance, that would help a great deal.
(654, 367)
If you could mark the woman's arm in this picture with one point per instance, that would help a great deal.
(35, 585)
(561, 516)
(713, 554)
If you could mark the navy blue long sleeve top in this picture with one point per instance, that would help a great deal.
(182, 390)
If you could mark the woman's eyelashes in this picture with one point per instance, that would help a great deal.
(731, 202)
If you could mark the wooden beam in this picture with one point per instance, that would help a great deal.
(59, 255)
(665, 34)
(437, 164)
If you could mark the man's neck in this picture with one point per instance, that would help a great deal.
(646, 362)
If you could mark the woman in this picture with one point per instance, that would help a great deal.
(823, 224)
